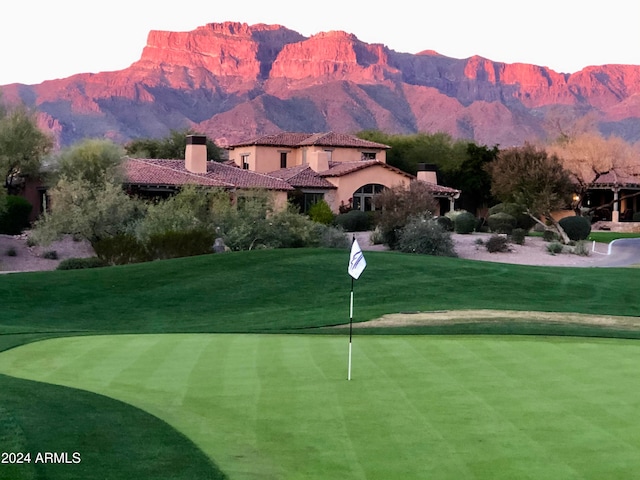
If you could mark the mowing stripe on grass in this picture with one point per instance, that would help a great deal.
(417, 407)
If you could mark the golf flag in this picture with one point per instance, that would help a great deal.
(357, 263)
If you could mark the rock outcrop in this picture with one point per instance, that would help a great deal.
(233, 80)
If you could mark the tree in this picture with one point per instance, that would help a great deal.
(87, 200)
(22, 146)
(399, 204)
(172, 147)
(94, 161)
(530, 177)
(407, 151)
(588, 156)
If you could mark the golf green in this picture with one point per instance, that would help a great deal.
(278, 406)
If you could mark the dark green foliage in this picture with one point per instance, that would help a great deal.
(50, 255)
(464, 222)
(501, 223)
(120, 250)
(14, 217)
(333, 237)
(636, 217)
(173, 244)
(425, 235)
(11, 252)
(523, 220)
(321, 212)
(577, 228)
(555, 247)
(171, 147)
(354, 221)
(497, 243)
(518, 236)
(549, 236)
(80, 263)
(445, 223)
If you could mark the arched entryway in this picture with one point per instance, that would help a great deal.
(363, 197)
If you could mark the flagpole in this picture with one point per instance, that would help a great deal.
(350, 329)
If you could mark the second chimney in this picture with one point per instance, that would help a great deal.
(427, 173)
(195, 156)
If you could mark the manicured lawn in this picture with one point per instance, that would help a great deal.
(270, 405)
(273, 406)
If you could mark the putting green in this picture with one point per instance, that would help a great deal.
(418, 407)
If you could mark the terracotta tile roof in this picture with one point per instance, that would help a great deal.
(302, 176)
(612, 178)
(173, 173)
(338, 169)
(295, 139)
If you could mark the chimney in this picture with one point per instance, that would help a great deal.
(319, 161)
(195, 156)
(427, 172)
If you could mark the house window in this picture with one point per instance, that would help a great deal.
(368, 156)
(244, 160)
(304, 200)
(283, 159)
(329, 152)
(363, 197)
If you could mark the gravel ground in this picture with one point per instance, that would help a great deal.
(533, 252)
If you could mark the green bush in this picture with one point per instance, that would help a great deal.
(549, 236)
(426, 236)
(523, 220)
(120, 250)
(497, 243)
(501, 223)
(636, 217)
(333, 237)
(464, 222)
(518, 236)
(555, 247)
(173, 244)
(11, 252)
(576, 228)
(353, 221)
(14, 217)
(80, 263)
(50, 255)
(445, 223)
(320, 212)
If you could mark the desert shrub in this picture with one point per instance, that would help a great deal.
(376, 236)
(426, 236)
(445, 223)
(554, 247)
(501, 223)
(353, 221)
(517, 211)
(518, 236)
(321, 212)
(11, 252)
(577, 228)
(80, 263)
(465, 223)
(497, 243)
(549, 236)
(14, 217)
(173, 244)
(120, 250)
(333, 237)
(581, 248)
(50, 255)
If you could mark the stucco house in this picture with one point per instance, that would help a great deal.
(344, 170)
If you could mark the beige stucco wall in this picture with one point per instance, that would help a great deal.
(348, 184)
(267, 159)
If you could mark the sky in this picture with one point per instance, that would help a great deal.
(48, 39)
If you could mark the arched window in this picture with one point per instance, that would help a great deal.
(363, 197)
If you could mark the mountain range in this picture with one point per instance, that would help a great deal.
(234, 81)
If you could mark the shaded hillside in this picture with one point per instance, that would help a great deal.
(233, 81)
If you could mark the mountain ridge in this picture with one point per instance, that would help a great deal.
(232, 81)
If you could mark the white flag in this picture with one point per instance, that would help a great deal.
(356, 260)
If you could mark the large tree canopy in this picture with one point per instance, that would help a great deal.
(171, 147)
(530, 177)
(22, 145)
